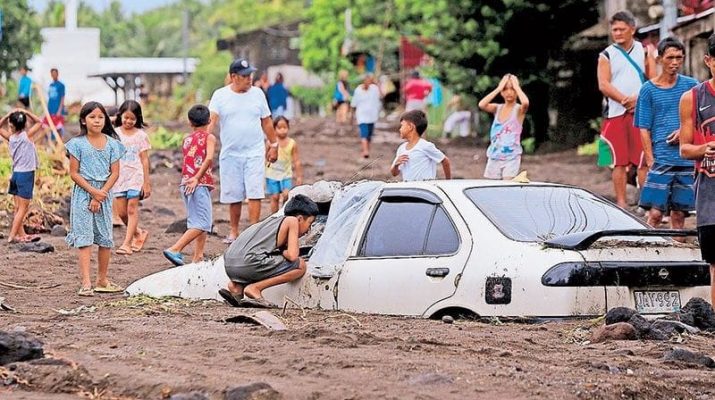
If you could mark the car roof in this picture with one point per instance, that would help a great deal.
(459, 184)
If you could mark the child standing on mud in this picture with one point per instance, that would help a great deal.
(504, 152)
(280, 174)
(133, 183)
(24, 164)
(196, 186)
(417, 159)
(94, 168)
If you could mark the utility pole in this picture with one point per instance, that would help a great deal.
(185, 41)
(670, 18)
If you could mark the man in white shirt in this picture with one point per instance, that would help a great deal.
(367, 103)
(417, 159)
(242, 114)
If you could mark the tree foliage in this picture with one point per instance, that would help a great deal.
(473, 42)
(20, 34)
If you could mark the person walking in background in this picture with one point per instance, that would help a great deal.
(668, 187)
(94, 168)
(241, 112)
(697, 142)
(133, 184)
(287, 169)
(24, 89)
(341, 98)
(367, 104)
(623, 67)
(504, 151)
(21, 139)
(197, 182)
(278, 97)
(460, 117)
(416, 91)
(56, 102)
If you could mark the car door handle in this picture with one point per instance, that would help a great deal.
(437, 272)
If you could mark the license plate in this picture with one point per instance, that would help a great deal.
(657, 301)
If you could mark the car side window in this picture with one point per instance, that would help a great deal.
(443, 237)
(409, 228)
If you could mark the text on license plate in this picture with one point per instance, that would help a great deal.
(656, 302)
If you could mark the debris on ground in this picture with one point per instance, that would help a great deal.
(78, 310)
(41, 221)
(19, 346)
(262, 318)
(4, 306)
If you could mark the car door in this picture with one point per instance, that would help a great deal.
(410, 256)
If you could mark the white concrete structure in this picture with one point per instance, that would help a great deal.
(75, 53)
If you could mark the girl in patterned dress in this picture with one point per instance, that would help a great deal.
(133, 183)
(94, 168)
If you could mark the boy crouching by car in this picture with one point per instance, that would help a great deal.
(267, 254)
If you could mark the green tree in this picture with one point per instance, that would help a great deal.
(20, 34)
(473, 42)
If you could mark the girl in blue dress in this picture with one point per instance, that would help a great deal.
(94, 168)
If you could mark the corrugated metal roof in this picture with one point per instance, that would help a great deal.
(144, 65)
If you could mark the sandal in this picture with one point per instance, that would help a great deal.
(176, 258)
(138, 243)
(85, 292)
(230, 298)
(124, 251)
(110, 288)
(228, 240)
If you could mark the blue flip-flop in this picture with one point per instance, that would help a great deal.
(175, 258)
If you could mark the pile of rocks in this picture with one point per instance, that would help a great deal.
(626, 324)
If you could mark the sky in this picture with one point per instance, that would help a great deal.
(130, 6)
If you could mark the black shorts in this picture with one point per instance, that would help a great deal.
(706, 238)
(25, 101)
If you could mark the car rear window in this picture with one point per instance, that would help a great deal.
(538, 213)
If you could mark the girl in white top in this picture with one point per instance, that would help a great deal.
(133, 183)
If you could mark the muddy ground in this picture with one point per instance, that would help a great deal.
(109, 347)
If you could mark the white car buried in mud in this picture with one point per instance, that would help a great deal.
(477, 247)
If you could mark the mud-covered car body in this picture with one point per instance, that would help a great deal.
(484, 247)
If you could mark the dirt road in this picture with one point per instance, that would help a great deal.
(110, 347)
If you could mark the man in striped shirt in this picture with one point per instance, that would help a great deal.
(669, 184)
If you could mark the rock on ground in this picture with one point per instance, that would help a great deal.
(19, 346)
(189, 396)
(254, 391)
(617, 331)
(689, 357)
(37, 247)
(178, 226)
(59, 231)
(698, 313)
(619, 314)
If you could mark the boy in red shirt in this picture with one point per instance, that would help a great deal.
(196, 185)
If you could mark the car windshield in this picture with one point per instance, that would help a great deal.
(539, 213)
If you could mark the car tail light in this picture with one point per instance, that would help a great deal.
(628, 273)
